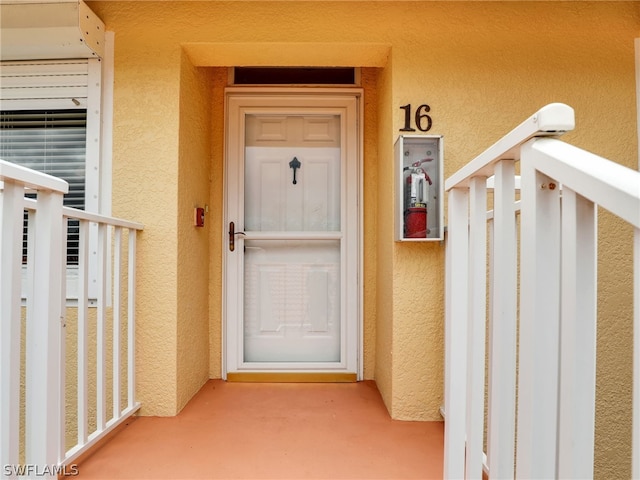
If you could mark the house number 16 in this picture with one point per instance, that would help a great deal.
(422, 120)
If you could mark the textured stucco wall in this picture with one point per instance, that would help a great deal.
(369, 79)
(384, 247)
(482, 67)
(145, 188)
(194, 173)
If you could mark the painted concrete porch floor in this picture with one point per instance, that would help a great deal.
(273, 431)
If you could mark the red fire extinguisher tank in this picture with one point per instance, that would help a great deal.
(416, 222)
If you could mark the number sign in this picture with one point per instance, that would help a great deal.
(421, 118)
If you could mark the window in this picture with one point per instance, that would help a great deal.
(294, 76)
(51, 120)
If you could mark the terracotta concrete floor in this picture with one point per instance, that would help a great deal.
(273, 431)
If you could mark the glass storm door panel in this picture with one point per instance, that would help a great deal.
(291, 265)
(292, 286)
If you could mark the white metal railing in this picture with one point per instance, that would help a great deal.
(546, 345)
(41, 447)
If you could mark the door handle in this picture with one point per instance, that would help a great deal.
(232, 236)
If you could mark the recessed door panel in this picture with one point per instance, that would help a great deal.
(292, 301)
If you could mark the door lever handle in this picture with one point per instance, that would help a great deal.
(232, 236)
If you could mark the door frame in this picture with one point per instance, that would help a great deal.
(238, 99)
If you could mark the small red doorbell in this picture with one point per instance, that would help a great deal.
(198, 220)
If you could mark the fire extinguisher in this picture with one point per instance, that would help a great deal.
(416, 198)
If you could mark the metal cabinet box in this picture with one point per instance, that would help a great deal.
(419, 188)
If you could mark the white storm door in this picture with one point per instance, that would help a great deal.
(292, 257)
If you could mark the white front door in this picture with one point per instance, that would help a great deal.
(292, 247)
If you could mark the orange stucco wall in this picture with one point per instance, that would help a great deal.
(482, 67)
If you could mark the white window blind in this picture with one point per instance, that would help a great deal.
(52, 142)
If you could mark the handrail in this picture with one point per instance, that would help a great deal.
(70, 212)
(552, 120)
(31, 178)
(611, 185)
(541, 384)
(112, 260)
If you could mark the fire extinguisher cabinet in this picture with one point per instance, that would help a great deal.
(419, 184)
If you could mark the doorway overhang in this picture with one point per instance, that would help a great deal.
(204, 54)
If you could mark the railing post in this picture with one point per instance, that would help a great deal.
(456, 341)
(44, 334)
(477, 325)
(11, 211)
(577, 338)
(539, 322)
(502, 330)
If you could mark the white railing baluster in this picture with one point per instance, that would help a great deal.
(101, 341)
(83, 333)
(62, 357)
(477, 325)
(487, 360)
(131, 323)
(448, 294)
(539, 323)
(502, 358)
(44, 330)
(117, 299)
(11, 210)
(30, 296)
(456, 343)
(577, 338)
